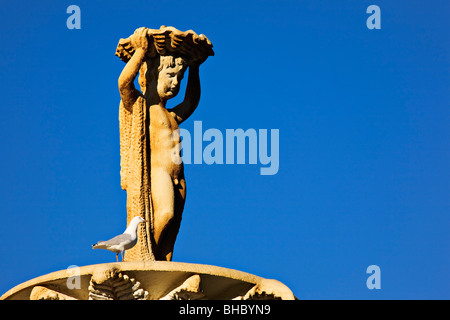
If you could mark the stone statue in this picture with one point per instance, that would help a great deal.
(151, 166)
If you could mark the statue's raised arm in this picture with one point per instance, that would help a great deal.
(192, 96)
(128, 93)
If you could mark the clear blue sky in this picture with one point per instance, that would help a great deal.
(363, 117)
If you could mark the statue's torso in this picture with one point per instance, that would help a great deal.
(165, 142)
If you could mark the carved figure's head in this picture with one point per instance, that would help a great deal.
(163, 73)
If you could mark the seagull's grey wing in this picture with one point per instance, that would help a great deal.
(120, 239)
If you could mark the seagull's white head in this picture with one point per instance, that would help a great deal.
(137, 220)
(132, 227)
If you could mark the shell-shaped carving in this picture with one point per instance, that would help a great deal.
(118, 287)
(170, 41)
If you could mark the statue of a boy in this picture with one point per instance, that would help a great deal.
(155, 183)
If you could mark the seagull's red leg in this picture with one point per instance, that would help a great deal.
(117, 257)
(122, 255)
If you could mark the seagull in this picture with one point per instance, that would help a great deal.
(123, 241)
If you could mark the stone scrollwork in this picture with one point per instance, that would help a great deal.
(115, 285)
(189, 290)
(267, 289)
(43, 293)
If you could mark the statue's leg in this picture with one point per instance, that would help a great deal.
(165, 250)
(163, 200)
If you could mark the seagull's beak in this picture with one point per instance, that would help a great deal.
(145, 221)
